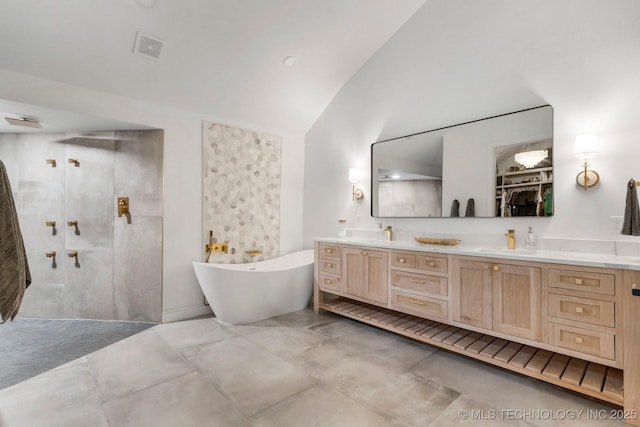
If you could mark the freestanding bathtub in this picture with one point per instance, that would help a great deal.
(246, 293)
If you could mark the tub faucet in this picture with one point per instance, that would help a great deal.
(511, 235)
(215, 247)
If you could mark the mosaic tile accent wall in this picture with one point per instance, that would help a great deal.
(241, 191)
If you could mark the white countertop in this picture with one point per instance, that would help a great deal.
(558, 257)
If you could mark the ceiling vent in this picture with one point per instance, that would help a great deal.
(148, 46)
(24, 122)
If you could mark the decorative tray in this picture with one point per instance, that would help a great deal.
(448, 242)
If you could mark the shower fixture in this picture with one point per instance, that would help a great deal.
(24, 122)
(51, 162)
(74, 224)
(123, 208)
(52, 224)
(74, 254)
(75, 162)
(52, 254)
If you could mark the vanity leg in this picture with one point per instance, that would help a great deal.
(631, 326)
(316, 289)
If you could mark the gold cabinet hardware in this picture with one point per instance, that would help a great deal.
(328, 264)
(402, 260)
(578, 309)
(495, 268)
(416, 302)
(578, 340)
(328, 282)
(431, 264)
(328, 251)
(421, 282)
(75, 162)
(51, 162)
(578, 281)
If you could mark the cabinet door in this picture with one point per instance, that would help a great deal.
(353, 271)
(516, 300)
(375, 281)
(471, 293)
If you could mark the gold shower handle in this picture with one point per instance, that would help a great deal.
(72, 223)
(51, 254)
(75, 162)
(123, 206)
(73, 254)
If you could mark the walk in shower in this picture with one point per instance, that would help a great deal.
(86, 261)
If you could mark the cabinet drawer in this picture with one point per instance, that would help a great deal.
(582, 309)
(419, 305)
(401, 259)
(600, 344)
(420, 282)
(331, 266)
(435, 264)
(329, 282)
(600, 283)
(330, 251)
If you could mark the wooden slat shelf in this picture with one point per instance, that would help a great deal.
(588, 378)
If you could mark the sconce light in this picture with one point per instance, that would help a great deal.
(354, 176)
(585, 148)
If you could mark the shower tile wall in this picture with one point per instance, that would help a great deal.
(92, 287)
(137, 260)
(241, 191)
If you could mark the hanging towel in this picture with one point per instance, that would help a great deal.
(14, 269)
(471, 208)
(455, 208)
(631, 224)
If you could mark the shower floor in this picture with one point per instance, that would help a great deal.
(30, 346)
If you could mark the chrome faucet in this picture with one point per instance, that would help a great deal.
(511, 235)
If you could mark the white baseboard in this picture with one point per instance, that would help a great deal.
(184, 313)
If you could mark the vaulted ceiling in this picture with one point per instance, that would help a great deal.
(221, 58)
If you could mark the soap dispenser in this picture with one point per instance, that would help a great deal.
(380, 234)
(531, 243)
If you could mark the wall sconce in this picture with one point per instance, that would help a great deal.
(354, 176)
(585, 148)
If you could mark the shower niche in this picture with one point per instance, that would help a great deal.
(66, 187)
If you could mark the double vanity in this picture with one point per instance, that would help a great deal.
(572, 320)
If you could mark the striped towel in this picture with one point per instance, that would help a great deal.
(14, 269)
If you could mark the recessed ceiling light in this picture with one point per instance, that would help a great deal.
(289, 61)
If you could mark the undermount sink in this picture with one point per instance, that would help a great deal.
(517, 251)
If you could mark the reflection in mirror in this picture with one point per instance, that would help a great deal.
(463, 170)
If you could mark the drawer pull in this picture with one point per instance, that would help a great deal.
(328, 282)
(578, 281)
(421, 282)
(431, 264)
(416, 302)
(328, 251)
(328, 264)
(402, 260)
(578, 340)
(496, 268)
(578, 309)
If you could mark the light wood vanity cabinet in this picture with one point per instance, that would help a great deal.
(419, 284)
(364, 274)
(498, 297)
(573, 326)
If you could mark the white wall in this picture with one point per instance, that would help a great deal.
(182, 176)
(456, 61)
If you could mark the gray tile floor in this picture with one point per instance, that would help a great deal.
(300, 369)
